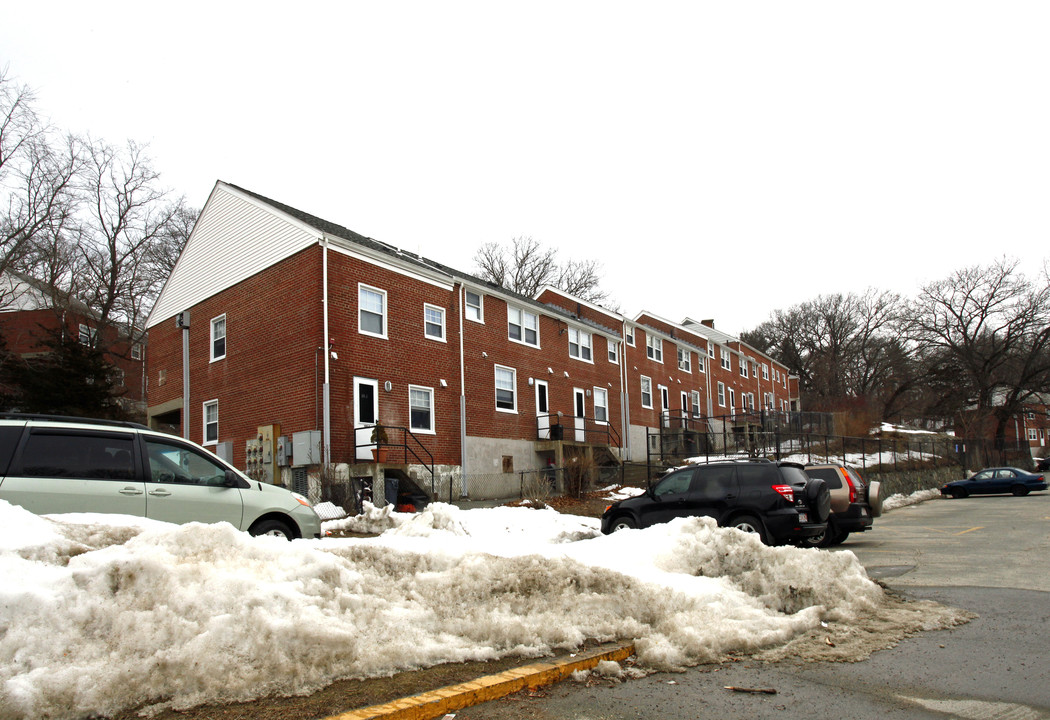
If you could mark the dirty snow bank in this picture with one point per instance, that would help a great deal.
(100, 613)
(898, 501)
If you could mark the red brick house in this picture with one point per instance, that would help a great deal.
(29, 312)
(301, 335)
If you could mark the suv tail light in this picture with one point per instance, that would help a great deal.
(787, 491)
(849, 484)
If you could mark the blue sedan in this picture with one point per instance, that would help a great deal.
(996, 481)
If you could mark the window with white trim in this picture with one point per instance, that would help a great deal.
(695, 395)
(721, 394)
(506, 389)
(474, 308)
(750, 401)
(711, 350)
(684, 363)
(647, 392)
(434, 322)
(86, 335)
(421, 408)
(371, 317)
(136, 351)
(580, 344)
(523, 326)
(701, 363)
(218, 337)
(211, 422)
(654, 348)
(1032, 434)
(723, 354)
(614, 351)
(601, 405)
(629, 336)
(743, 366)
(732, 400)
(765, 371)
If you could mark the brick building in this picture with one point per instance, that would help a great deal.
(300, 329)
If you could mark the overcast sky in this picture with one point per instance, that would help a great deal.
(721, 160)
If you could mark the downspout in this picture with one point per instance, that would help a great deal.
(462, 404)
(326, 434)
(625, 401)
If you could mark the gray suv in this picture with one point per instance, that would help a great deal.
(54, 464)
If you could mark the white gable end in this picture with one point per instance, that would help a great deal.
(235, 238)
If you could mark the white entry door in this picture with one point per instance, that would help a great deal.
(366, 413)
(580, 409)
(543, 410)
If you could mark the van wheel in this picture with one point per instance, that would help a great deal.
(749, 524)
(273, 528)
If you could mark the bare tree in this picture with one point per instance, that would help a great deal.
(525, 267)
(988, 328)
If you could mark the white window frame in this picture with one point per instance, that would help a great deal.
(361, 290)
(428, 308)
(513, 389)
(629, 336)
(765, 371)
(711, 350)
(136, 351)
(472, 310)
(743, 367)
(210, 422)
(685, 364)
(694, 397)
(701, 363)
(654, 348)
(428, 392)
(732, 401)
(601, 405)
(522, 316)
(647, 382)
(216, 322)
(614, 351)
(721, 394)
(86, 334)
(584, 343)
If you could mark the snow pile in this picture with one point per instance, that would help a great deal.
(100, 614)
(329, 511)
(898, 501)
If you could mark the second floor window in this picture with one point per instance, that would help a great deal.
(579, 344)
(523, 326)
(683, 360)
(474, 308)
(654, 348)
(434, 322)
(372, 311)
(218, 338)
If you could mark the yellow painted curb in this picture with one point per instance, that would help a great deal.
(454, 697)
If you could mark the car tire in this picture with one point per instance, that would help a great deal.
(839, 539)
(818, 499)
(623, 523)
(958, 493)
(749, 524)
(825, 539)
(274, 528)
(1019, 490)
(875, 498)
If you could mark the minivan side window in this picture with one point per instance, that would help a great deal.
(171, 462)
(92, 456)
(9, 436)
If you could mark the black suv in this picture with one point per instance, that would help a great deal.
(777, 500)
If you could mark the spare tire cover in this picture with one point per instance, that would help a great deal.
(818, 499)
(875, 498)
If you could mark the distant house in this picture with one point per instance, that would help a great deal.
(30, 310)
(301, 335)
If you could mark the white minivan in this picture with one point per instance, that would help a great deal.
(54, 464)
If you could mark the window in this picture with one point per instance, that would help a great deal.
(86, 335)
(700, 363)
(523, 326)
(170, 462)
(614, 351)
(136, 351)
(743, 366)
(1032, 434)
(711, 350)
(218, 338)
(579, 344)
(696, 403)
(721, 394)
(732, 400)
(474, 308)
(371, 311)
(601, 405)
(629, 336)
(750, 401)
(211, 422)
(94, 456)
(654, 348)
(421, 408)
(765, 371)
(647, 392)
(506, 389)
(727, 364)
(434, 322)
(683, 360)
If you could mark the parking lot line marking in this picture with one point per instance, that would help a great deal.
(979, 527)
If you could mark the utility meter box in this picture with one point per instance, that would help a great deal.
(306, 447)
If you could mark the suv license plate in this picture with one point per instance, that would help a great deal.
(803, 517)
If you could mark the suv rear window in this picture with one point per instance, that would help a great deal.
(75, 455)
(759, 474)
(794, 475)
(829, 475)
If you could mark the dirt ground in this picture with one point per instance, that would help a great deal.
(886, 628)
